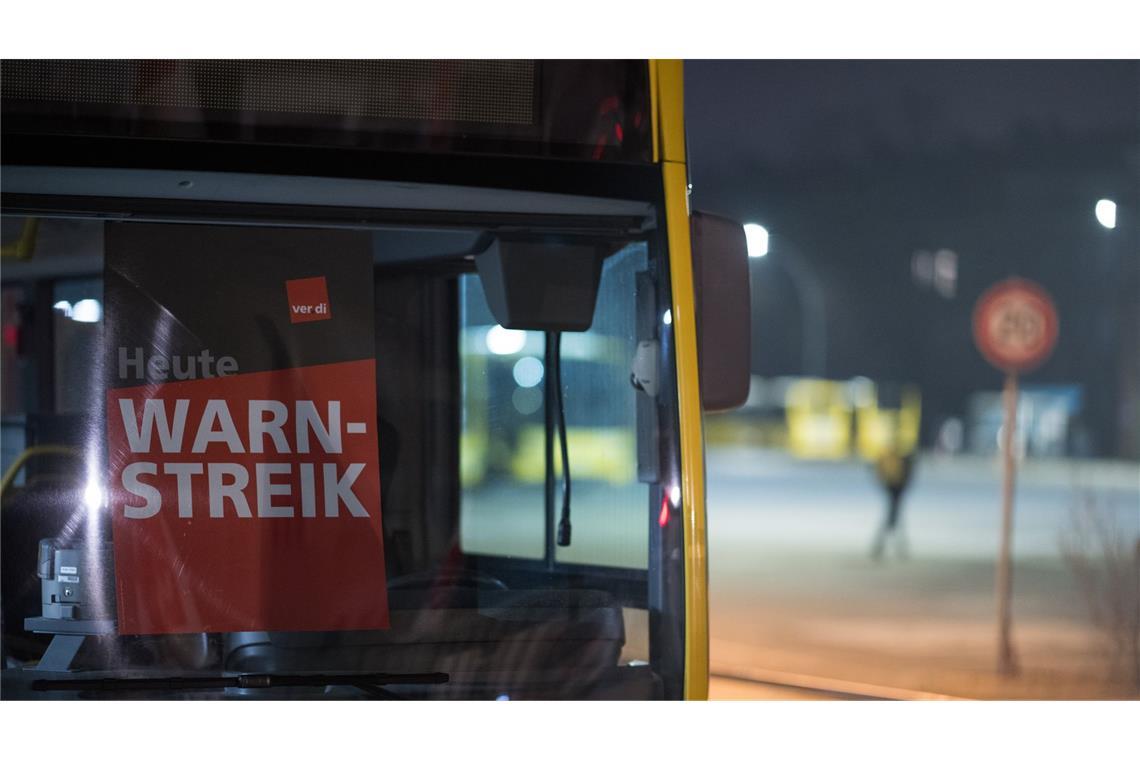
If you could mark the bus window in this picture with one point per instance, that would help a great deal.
(463, 490)
(502, 452)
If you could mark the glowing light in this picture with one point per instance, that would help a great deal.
(663, 518)
(668, 318)
(504, 342)
(93, 495)
(87, 310)
(1106, 213)
(527, 400)
(503, 698)
(528, 372)
(64, 306)
(675, 495)
(756, 236)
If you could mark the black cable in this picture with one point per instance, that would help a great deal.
(549, 423)
(556, 372)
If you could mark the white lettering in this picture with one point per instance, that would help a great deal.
(308, 491)
(157, 366)
(133, 364)
(341, 490)
(154, 415)
(126, 363)
(229, 480)
(309, 419)
(259, 426)
(216, 409)
(184, 471)
(233, 491)
(267, 489)
(227, 365)
(148, 492)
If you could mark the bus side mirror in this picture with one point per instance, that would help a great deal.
(724, 311)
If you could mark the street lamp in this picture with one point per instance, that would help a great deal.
(1105, 214)
(756, 236)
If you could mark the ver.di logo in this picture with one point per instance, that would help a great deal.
(308, 299)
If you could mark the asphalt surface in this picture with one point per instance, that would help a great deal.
(793, 587)
(952, 508)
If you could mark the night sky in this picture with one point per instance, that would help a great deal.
(793, 113)
(856, 166)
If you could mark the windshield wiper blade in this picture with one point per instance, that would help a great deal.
(368, 682)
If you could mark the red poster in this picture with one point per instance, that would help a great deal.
(241, 427)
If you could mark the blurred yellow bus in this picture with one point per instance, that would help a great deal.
(819, 419)
(887, 420)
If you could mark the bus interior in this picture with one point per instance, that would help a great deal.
(478, 588)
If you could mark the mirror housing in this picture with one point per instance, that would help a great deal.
(724, 311)
(534, 283)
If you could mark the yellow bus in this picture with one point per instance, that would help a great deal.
(819, 419)
(539, 524)
(601, 434)
(887, 416)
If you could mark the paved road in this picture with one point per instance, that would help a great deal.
(766, 498)
(793, 587)
(743, 689)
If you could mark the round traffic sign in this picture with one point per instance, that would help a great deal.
(1015, 325)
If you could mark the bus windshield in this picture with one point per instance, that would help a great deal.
(479, 598)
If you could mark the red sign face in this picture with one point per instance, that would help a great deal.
(308, 300)
(247, 502)
(1015, 325)
(243, 456)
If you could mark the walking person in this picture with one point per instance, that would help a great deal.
(893, 471)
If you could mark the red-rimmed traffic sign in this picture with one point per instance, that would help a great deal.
(1015, 325)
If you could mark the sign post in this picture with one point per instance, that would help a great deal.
(1007, 661)
(1015, 328)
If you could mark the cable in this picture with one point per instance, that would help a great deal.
(556, 372)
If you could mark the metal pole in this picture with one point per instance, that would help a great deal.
(1007, 659)
(813, 307)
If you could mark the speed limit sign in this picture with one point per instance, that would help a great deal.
(1015, 325)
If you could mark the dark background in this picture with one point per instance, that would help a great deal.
(853, 166)
(177, 289)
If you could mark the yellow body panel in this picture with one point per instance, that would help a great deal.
(819, 419)
(669, 98)
(883, 431)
